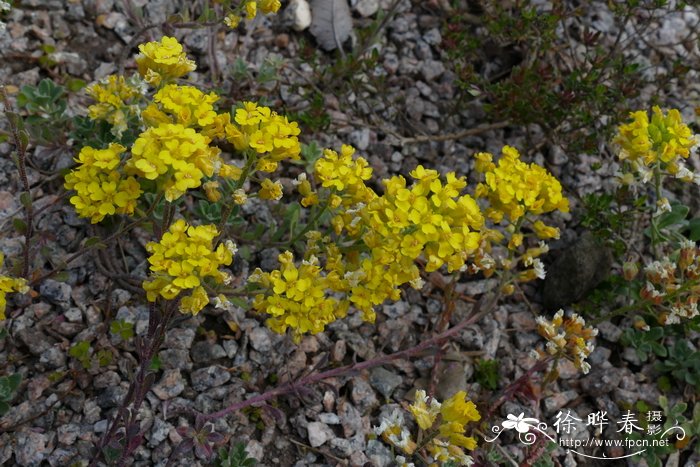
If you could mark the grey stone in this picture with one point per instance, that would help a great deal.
(452, 378)
(111, 397)
(159, 432)
(74, 315)
(341, 447)
(350, 418)
(31, 448)
(179, 338)
(363, 396)
(56, 292)
(433, 37)
(260, 340)
(577, 270)
(230, 347)
(329, 418)
(367, 8)
(53, 357)
(609, 331)
(599, 356)
(631, 356)
(360, 138)
(170, 385)
(319, 433)
(205, 352)
(431, 69)
(36, 341)
(396, 309)
(67, 434)
(175, 359)
(209, 377)
(384, 381)
(379, 454)
(600, 381)
(559, 400)
(297, 15)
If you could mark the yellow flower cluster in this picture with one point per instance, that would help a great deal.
(163, 61)
(674, 284)
(568, 337)
(176, 156)
(100, 188)
(182, 260)
(251, 9)
(445, 422)
(663, 139)
(185, 105)
(345, 176)
(515, 189)
(271, 136)
(299, 298)
(9, 285)
(114, 97)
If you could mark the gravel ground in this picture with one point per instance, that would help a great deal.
(61, 409)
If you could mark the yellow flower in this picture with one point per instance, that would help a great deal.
(425, 412)
(270, 190)
(176, 156)
(664, 139)
(251, 9)
(163, 61)
(269, 6)
(232, 20)
(183, 259)
(514, 188)
(296, 297)
(100, 188)
(9, 285)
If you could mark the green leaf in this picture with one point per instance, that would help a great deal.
(4, 408)
(19, 225)
(676, 216)
(75, 84)
(25, 199)
(694, 235)
(94, 242)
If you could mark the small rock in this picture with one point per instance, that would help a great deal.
(159, 432)
(206, 352)
(384, 381)
(260, 340)
(179, 338)
(209, 377)
(175, 359)
(170, 385)
(111, 397)
(319, 433)
(53, 357)
(31, 448)
(609, 331)
(631, 356)
(350, 418)
(433, 37)
(298, 14)
(431, 69)
(379, 454)
(230, 347)
(576, 271)
(74, 315)
(559, 400)
(363, 396)
(451, 380)
(329, 418)
(599, 356)
(36, 341)
(360, 138)
(67, 434)
(56, 292)
(367, 8)
(600, 381)
(341, 447)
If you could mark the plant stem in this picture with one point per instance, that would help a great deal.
(483, 307)
(26, 196)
